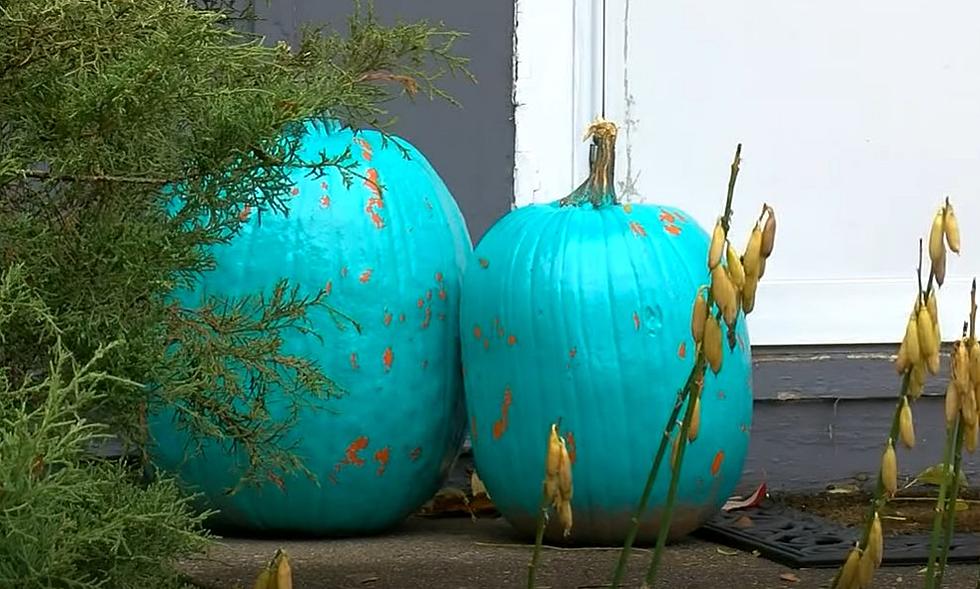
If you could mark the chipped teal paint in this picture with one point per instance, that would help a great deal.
(402, 284)
(598, 301)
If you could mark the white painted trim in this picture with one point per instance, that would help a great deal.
(828, 311)
(802, 300)
(558, 90)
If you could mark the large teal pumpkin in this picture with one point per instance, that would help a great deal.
(579, 310)
(393, 262)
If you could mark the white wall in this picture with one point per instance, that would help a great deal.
(856, 119)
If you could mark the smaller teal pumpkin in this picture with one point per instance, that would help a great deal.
(392, 260)
(579, 310)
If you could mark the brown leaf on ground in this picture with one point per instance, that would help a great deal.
(789, 577)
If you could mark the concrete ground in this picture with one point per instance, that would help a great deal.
(458, 553)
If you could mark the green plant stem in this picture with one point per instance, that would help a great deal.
(651, 477)
(699, 367)
(726, 219)
(538, 540)
(879, 499)
(682, 396)
(950, 513)
(952, 434)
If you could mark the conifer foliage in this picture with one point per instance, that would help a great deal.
(105, 106)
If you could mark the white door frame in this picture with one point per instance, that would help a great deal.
(558, 91)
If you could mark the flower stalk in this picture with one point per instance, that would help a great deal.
(918, 356)
(556, 491)
(732, 289)
(961, 432)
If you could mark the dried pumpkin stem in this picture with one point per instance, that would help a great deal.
(599, 189)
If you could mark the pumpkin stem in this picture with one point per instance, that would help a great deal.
(599, 188)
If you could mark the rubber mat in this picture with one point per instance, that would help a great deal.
(801, 540)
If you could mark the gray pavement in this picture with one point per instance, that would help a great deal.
(458, 553)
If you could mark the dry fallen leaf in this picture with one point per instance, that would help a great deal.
(752, 500)
(790, 577)
(726, 552)
(476, 486)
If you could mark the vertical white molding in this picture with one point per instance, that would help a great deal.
(558, 90)
(543, 99)
(586, 80)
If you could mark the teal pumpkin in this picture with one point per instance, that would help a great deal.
(579, 310)
(393, 263)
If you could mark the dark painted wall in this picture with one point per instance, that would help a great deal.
(472, 146)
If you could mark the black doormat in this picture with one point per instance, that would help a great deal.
(801, 540)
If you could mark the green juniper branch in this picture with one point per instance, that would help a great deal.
(104, 107)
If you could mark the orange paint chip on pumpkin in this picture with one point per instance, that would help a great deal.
(511, 340)
(500, 426)
(717, 462)
(387, 358)
(638, 229)
(382, 456)
(351, 454)
(366, 151)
